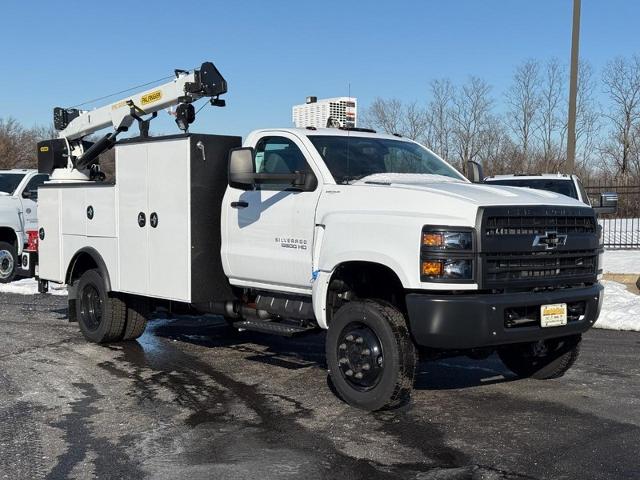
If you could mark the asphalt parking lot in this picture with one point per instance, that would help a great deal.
(192, 399)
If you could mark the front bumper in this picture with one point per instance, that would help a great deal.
(467, 321)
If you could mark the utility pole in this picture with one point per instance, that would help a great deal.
(573, 89)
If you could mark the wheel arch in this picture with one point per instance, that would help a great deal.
(9, 235)
(364, 279)
(85, 259)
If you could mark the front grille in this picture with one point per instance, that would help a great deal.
(507, 267)
(514, 252)
(538, 225)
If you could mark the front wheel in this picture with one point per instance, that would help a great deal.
(370, 355)
(541, 360)
(8, 262)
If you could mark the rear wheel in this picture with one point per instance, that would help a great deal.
(8, 262)
(101, 316)
(542, 360)
(370, 355)
(138, 312)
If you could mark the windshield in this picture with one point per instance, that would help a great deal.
(351, 158)
(10, 181)
(563, 187)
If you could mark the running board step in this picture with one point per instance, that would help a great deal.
(275, 328)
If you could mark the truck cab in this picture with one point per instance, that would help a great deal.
(18, 216)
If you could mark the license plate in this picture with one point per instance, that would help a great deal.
(553, 315)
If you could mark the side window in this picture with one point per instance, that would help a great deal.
(583, 193)
(35, 182)
(279, 155)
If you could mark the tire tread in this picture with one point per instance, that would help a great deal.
(138, 312)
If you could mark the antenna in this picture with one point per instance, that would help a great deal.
(348, 136)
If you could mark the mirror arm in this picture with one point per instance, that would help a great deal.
(294, 178)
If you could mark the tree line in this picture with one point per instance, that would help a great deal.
(18, 143)
(524, 130)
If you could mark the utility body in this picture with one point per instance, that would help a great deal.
(370, 236)
(18, 222)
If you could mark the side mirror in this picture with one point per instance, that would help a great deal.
(608, 203)
(30, 194)
(242, 173)
(242, 168)
(474, 172)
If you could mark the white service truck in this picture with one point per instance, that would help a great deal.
(18, 222)
(371, 237)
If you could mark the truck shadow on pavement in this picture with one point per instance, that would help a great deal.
(308, 351)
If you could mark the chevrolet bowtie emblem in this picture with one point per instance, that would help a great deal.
(549, 240)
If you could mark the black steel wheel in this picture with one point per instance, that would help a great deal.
(360, 356)
(91, 307)
(541, 360)
(370, 355)
(101, 316)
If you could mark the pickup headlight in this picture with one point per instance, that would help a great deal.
(447, 240)
(447, 254)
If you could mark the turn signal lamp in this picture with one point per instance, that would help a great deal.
(432, 268)
(433, 239)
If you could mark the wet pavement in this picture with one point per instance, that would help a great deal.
(194, 399)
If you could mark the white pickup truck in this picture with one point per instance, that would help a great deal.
(18, 217)
(562, 183)
(372, 237)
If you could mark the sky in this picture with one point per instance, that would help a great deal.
(275, 53)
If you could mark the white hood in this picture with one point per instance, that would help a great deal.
(474, 193)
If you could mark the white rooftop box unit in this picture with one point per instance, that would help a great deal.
(328, 112)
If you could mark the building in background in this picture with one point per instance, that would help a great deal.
(326, 112)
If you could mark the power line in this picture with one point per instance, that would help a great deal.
(121, 92)
(124, 91)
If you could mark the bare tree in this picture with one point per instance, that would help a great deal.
(551, 118)
(18, 144)
(471, 117)
(523, 100)
(384, 115)
(587, 118)
(496, 154)
(439, 117)
(621, 79)
(393, 116)
(414, 122)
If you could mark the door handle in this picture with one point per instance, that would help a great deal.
(142, 219)
(240, 204)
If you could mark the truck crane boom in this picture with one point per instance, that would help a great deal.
(70, 157)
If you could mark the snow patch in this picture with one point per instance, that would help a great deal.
(620, 308)
(621, 230)
(29, 286)
(622, 261)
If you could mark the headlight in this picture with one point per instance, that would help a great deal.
(447, 254)
(441, 240)
(447, 269)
